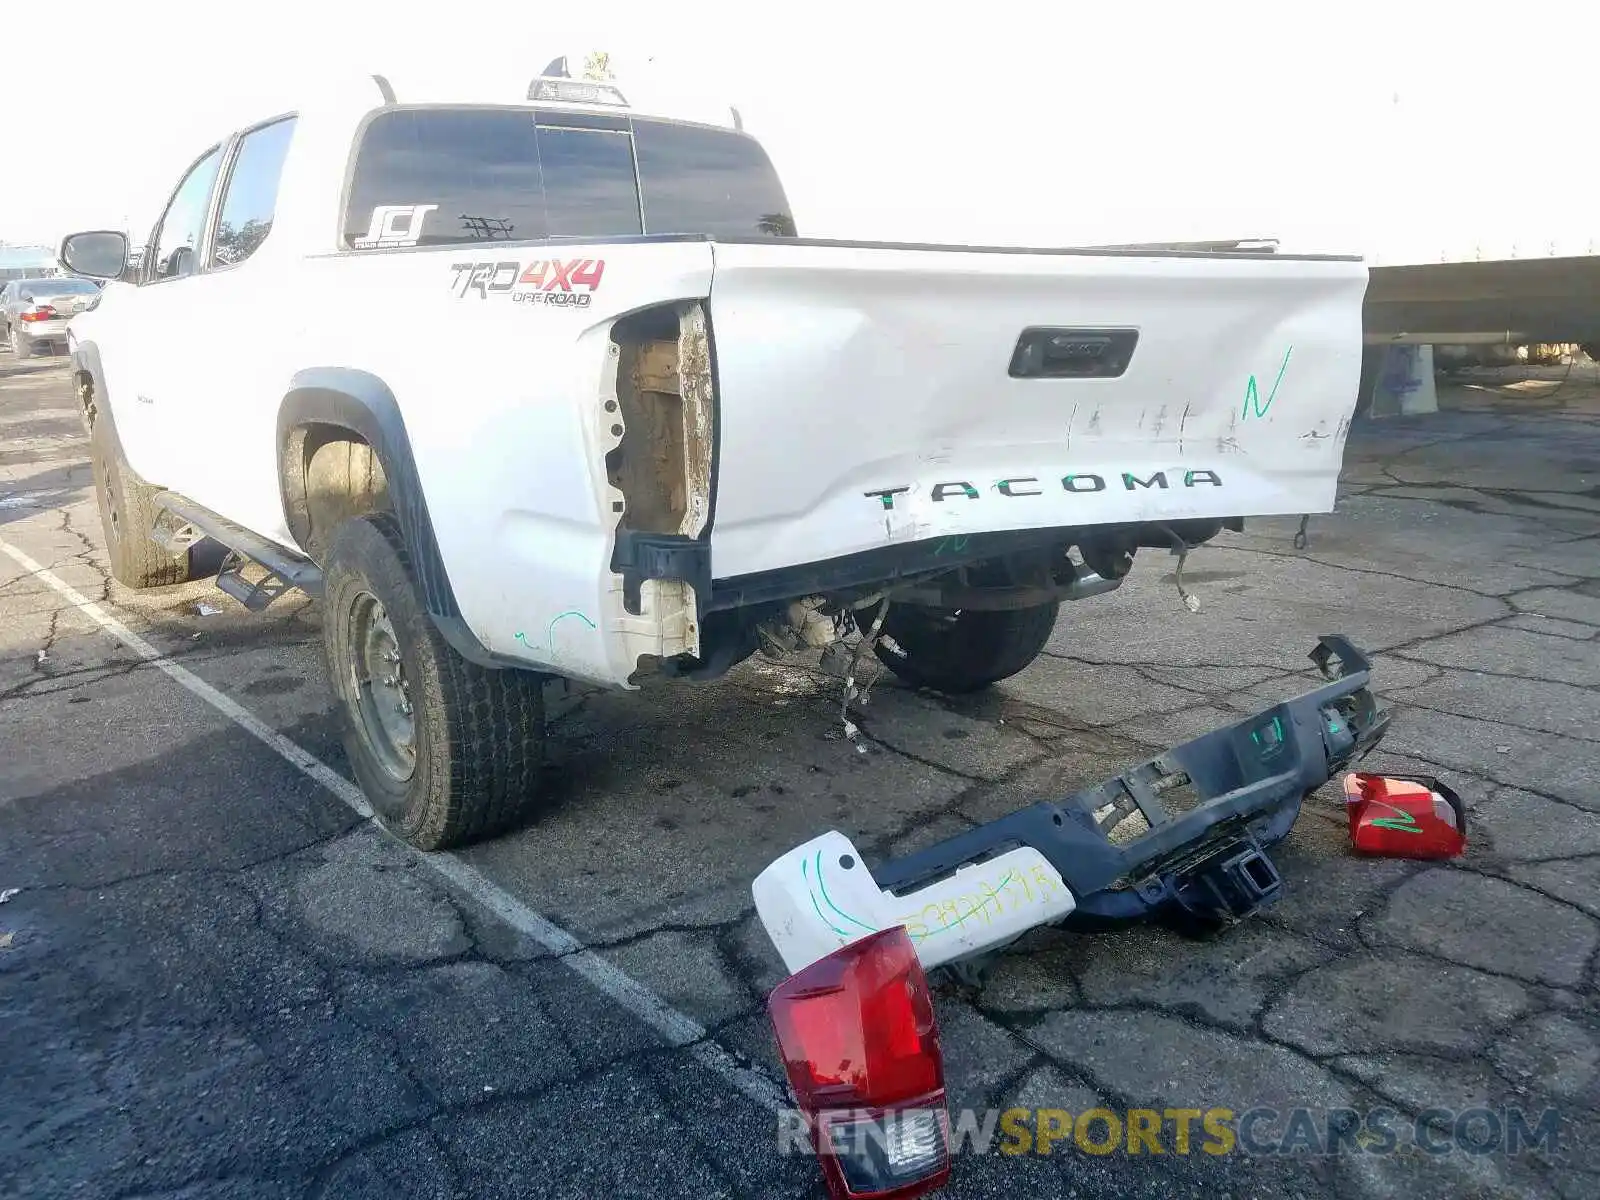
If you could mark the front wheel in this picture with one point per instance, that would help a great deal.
(447, 751)
(963, 650)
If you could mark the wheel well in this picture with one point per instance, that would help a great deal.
(330, 473)
(83, 385)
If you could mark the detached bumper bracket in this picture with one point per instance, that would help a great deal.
(1213, 806)
(1229, 886)
(1247, 781)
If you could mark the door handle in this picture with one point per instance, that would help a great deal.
(1052, 353)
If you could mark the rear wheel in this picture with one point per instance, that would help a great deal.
(127, 515)
(447, 751)
(963, 650)
(21, 344)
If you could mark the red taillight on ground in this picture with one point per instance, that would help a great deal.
(41, 312)
(1404, 816)
(862, 1051)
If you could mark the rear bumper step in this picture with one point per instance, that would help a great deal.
(1061, 861)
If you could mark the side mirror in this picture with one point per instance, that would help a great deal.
(179, 263)
(98, 254)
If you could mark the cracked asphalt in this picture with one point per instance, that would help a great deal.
(215, 982)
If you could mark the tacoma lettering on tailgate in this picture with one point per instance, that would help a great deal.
(1021, 486)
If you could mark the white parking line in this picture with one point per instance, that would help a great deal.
(617, 986)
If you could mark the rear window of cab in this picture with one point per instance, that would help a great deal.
(454, 176)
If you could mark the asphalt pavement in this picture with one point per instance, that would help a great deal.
(218, 980)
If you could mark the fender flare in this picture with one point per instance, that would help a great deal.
(86, 361)
(362, 403)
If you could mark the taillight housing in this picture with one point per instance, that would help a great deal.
(1404, 816)
(861, 1049)
(39, 312)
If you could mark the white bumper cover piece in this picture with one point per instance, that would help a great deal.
(820, 896)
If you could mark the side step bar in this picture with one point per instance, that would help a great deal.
(180, 523)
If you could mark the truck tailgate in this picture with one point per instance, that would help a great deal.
(873, 395)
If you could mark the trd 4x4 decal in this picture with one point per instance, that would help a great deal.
(565, 283)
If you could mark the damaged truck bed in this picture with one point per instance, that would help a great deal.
(1183, 835)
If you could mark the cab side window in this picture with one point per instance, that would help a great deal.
(251, 193)
(177, 237)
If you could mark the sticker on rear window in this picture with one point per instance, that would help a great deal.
(394, 225)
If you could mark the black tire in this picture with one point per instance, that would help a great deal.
(127, 515)
(965, 650)
(476, 734)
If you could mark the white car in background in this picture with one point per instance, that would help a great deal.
(35, 311)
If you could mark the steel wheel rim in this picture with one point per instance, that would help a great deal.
(379, 689)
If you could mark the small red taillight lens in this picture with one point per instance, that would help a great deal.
(1404, 816)
(41, 312)
(861, 1049)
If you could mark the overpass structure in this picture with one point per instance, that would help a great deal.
(1513, 301)
(1464, 302)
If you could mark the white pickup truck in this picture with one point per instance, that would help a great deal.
(555, 389)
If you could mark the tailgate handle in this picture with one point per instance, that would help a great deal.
(1047, 352)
